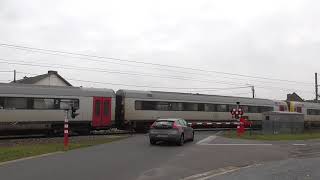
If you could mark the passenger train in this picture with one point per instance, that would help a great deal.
(27, 108)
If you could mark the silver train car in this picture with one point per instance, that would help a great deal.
(310, 110)
(141, 108)
(32, 108)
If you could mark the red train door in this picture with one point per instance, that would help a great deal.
(106, 112)
(101, 112)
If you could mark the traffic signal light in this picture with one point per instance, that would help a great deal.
(74, 113)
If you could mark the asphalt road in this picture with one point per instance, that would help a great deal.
(291, 169)
(135, 159)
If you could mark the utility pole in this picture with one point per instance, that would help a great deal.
(253, 92)
(14, 75)
(316, 85)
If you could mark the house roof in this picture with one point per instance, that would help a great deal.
(35, 79)
(294, 97)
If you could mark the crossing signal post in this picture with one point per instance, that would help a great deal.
(70, 110)
(237, 113)
(74, 113)
(66, 131)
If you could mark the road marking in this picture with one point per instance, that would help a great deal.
(207, 144)
(31, 157)
(206, 140)
(216, 172)
(299, 144)
(209, 138)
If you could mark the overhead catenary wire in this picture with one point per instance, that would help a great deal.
(41, 50)
(6, 71)
(204, 89)
(64, 67)
(6, 61)
(147, 86)
(142, 66)
(112, 71)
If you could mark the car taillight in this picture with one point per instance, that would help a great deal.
(174, 126)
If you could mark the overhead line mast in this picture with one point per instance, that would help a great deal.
(317, 87)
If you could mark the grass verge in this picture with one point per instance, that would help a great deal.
(23, 151)
(276, 137)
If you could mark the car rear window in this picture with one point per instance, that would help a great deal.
(164, 123)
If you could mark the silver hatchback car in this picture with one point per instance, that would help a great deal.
(171, 130)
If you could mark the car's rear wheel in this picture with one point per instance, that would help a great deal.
(181, 141)
(152, 142)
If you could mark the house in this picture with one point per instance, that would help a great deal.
(294, 97)
(52, 78)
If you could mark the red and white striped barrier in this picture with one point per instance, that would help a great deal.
(213, 124)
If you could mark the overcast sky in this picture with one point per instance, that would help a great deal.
(277, 39)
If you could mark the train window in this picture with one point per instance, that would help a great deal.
(15, 103)
(281, 108)
(106, 108)
(149, 105)
(1, 103)
(201, 107)
(176, 106)
(138, 105)
(222, 108)
(97, 108)
(265, 109)
(299, 109)
(163, 106)
(210, 107)
(253, 109)
(231, 107)
(313, 112)
(43, 103)
(190, 106)
(245, 109)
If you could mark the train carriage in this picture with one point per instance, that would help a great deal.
(141, 108)
(41, 108)
(310, 110)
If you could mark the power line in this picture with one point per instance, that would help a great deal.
(204, 89)
(131, 85)
(24, 63)
(41, 50)
(140, 74)
(6, 71)
(132, 65)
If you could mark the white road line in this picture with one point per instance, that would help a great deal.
(207, 144)
(299, 144)
(216, 172)
(209, 138)
(206, 140)
(31, 157)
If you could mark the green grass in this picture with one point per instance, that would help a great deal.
(277, 137)
(22, 151)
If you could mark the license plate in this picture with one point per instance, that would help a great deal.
(162, 136)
